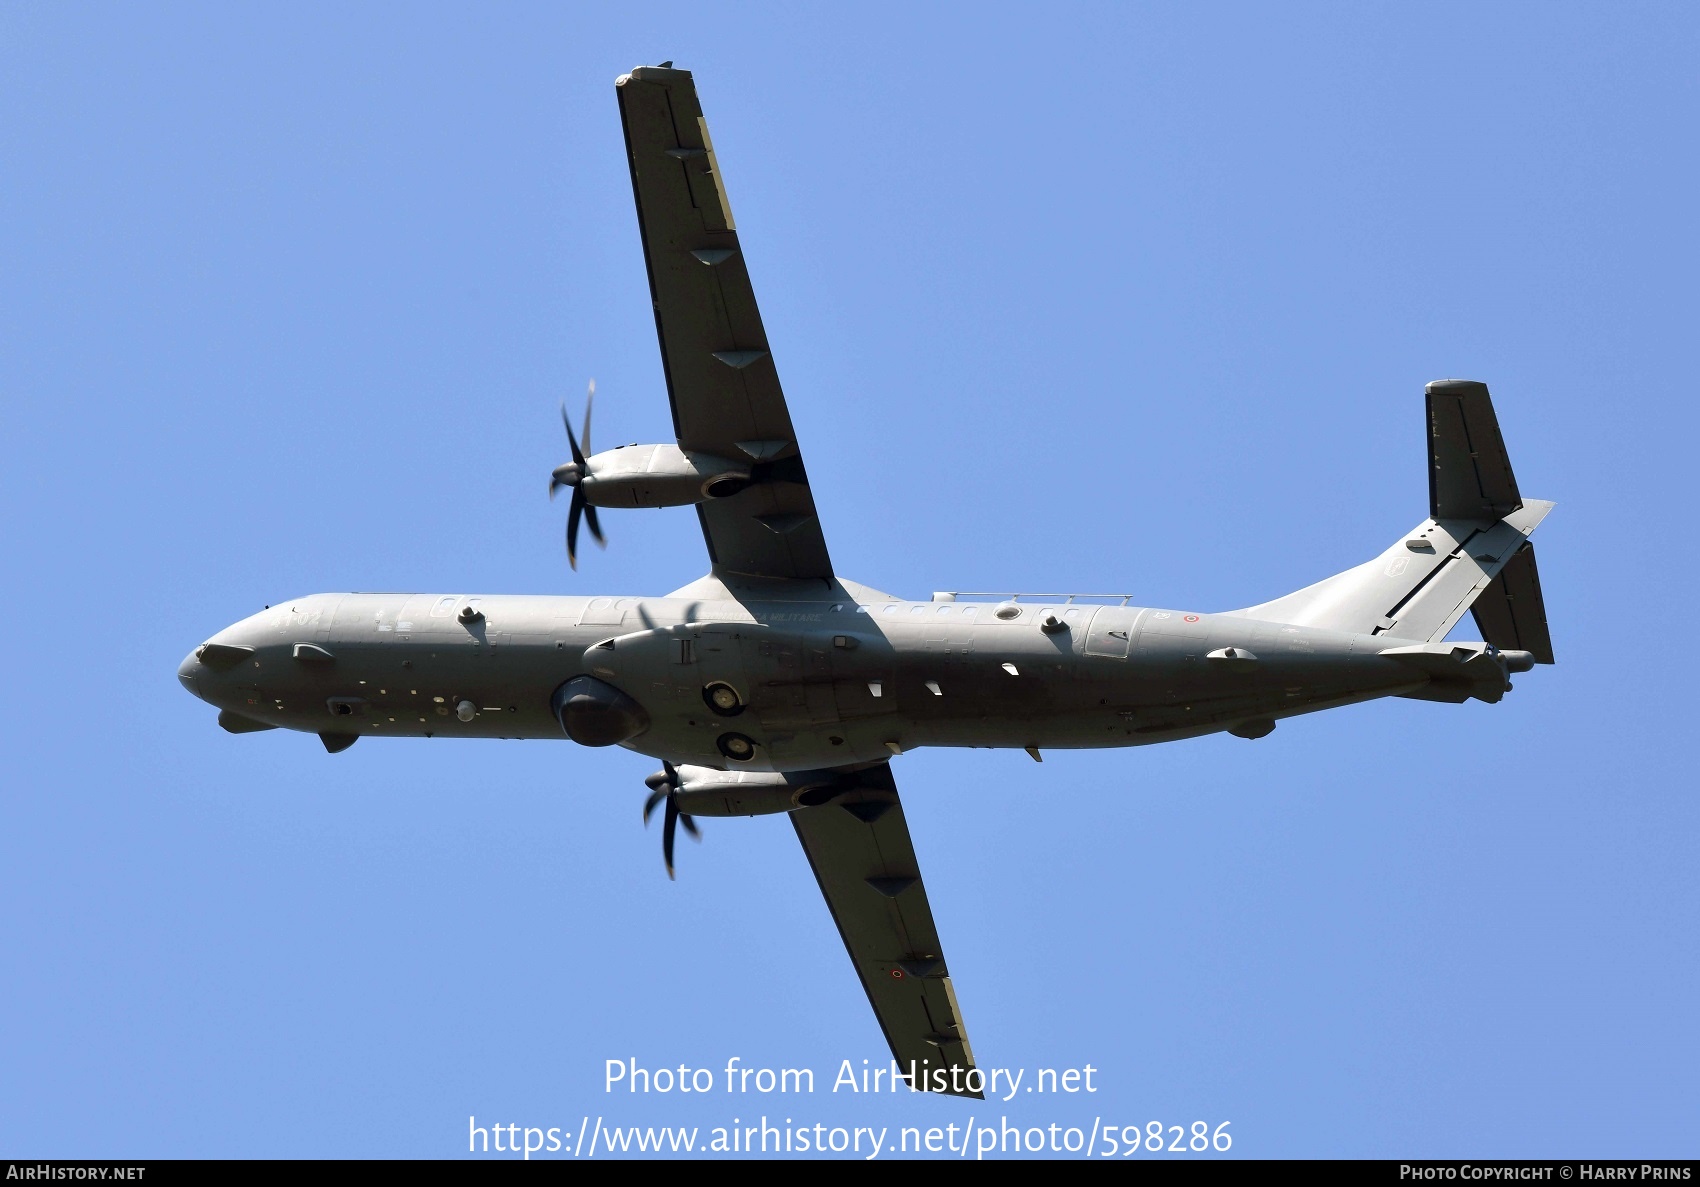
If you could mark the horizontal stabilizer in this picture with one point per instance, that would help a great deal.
(1510, 612)
(1469, 473)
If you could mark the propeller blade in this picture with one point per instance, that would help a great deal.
(575, 473)
(578, 454)
(572, 527)
(589, 398)
(667, 835)
(664, 788)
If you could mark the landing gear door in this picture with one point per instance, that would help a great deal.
(791, 676)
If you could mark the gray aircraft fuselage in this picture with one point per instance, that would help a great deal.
(841, 680)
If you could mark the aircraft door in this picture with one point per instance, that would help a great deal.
(947, 632)
(1112, 628)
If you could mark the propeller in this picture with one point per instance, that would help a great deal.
(572, 474)
(664, 786)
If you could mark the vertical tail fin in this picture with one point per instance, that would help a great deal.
(1469, 472)
(1473, 550)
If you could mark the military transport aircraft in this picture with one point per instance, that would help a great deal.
(775, 685)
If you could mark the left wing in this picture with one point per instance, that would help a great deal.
(859, 848)
(721, 381)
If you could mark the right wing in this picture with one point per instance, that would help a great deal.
(721, 381)
(859, 848)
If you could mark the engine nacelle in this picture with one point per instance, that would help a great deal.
(704, 791)
(659, 476)
(597, 714)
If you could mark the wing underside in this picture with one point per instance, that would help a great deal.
(721, 380)
(859, 848)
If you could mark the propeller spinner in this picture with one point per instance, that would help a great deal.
(572, 474)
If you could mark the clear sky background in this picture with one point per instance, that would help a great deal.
(1123, 297)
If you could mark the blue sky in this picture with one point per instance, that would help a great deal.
(1136, 298)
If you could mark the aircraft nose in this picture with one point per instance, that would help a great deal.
(186, 673)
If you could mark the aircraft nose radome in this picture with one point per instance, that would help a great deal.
(186, 674)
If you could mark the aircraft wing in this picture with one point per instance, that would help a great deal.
(721, 380)
(859, 848)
